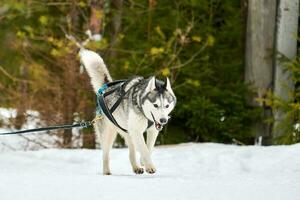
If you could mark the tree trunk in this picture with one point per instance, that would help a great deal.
(116, 25)
(97, 15)
(286, 47)
(22, 105)
(260, 33)
(70, 96)
(69, 83)
(96, 20)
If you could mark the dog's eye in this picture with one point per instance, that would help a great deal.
(167, 106)
(155, 105)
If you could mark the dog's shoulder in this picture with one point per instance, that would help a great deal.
(133, 81)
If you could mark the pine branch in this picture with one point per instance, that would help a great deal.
(12, 77)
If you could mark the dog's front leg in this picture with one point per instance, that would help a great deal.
(136, 127)
(132, 155)
(152, 134)
(144, 151)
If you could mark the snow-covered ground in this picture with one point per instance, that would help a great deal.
(184, 172)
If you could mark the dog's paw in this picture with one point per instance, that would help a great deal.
(151, 170)
(138, 170)
(107, 173)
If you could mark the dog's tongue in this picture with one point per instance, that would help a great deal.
(158, 126)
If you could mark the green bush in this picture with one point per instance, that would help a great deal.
(289, 125)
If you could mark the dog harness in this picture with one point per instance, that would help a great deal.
(102, 107)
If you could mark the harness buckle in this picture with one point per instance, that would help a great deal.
(97, 118)
(85, 124)
(102, 89)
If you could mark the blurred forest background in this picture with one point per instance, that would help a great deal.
(199, 44)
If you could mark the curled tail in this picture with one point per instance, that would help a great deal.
(95, 68)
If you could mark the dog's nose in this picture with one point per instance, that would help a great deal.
(163, 120)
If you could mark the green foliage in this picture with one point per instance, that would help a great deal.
(290, 123)
(199, 44)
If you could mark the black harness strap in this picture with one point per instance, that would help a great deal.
(107, 113)
(101, 102)
(117, 103)
(114, 107)
(150, 123)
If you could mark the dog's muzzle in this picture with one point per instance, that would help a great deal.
(157, 125)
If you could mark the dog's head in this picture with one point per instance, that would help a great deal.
(158, 101)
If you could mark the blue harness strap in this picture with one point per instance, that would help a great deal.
(100, 92)
(103, 88)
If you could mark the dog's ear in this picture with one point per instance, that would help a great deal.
(151, 85)
(168, 86)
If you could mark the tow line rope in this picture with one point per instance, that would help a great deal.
(49, 128)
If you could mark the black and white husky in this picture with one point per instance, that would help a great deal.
(145, 100)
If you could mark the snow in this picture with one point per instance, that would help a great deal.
(184, 172)
(188, 171)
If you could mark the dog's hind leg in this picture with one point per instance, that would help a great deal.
(132, 155)
(108, 137)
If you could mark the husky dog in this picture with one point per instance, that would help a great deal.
(145, 100)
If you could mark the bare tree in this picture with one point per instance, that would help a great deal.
(69, 101)
(116, 25)
(259, 56)
(22, 105)
(97, 16)
(286, 46)
(95, 25)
